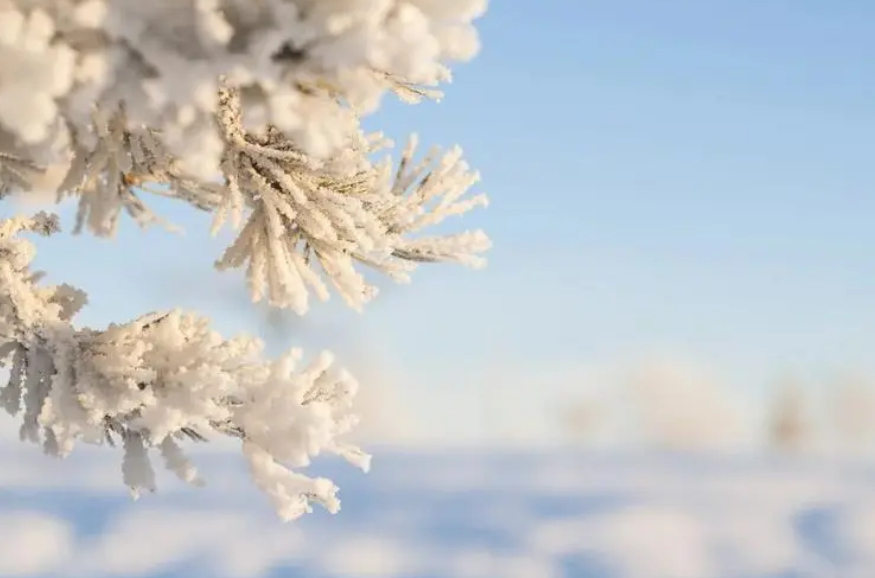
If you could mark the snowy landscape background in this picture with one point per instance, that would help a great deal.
(457, 514)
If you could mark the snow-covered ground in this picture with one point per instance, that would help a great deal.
(451, 515)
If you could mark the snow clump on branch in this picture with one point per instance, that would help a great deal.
(304, 66)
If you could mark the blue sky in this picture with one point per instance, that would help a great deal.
(679, 178)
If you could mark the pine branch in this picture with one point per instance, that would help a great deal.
(250, 111)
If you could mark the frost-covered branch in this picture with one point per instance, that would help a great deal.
(336, 212)
(161, 379)
(249, 110)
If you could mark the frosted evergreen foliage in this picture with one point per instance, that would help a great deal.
(249, 110)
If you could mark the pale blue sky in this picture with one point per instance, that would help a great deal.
(684, 175)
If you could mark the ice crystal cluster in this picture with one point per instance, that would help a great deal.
(249, 110)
